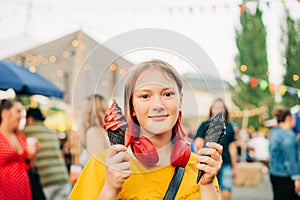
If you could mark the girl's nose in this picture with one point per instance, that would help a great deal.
(158, 107)
(157, 104)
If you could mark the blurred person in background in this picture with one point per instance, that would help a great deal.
(95, 136)
(296, 128)
(258, 148)
(14, 155)
(284, 165)
(229, 155)
(49, 164)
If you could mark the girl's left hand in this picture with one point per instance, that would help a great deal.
(210, 161)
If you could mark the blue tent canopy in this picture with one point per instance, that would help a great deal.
(24, 82)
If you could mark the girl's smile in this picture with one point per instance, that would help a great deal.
(158, 117)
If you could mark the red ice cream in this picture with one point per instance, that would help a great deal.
(115, 124)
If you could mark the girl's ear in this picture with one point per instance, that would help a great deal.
(5, 113)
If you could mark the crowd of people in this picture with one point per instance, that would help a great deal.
(155, 155)
(32, 166)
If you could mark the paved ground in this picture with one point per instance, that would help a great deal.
(263, 192)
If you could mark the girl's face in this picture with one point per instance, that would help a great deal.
(291, 120)
(217, 107)
(15, 115)
(156, 102)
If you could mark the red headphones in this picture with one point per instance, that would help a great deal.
(146, 153)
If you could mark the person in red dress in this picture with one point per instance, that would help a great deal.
(14, 180)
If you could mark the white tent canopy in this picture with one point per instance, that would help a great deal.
(66, 61)
(12, 46)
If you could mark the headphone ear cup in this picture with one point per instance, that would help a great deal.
(144, 151)
(180, 154)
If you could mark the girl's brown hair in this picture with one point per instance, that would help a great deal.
(93, 113)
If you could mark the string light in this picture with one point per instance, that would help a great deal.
(251, 112)
(122, 72)
(75, 43)
(65, 54)
(32, 69)
(52, 59)
(113, 67)
(282, 90)
(243, 68)
(33, 61)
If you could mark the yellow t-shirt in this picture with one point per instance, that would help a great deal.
(143, 184)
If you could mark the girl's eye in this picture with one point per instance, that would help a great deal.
(144, 96)
(168, 94)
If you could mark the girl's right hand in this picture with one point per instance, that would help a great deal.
(117, 168)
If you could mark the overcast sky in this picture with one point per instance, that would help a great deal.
(211, 24)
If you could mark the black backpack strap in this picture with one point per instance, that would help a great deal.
(175, 183)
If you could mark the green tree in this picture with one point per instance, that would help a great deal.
(291, 40)
(252, 55)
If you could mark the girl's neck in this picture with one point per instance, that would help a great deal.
(158, 140)
(164, 154)
(5, 130)
(284, 126)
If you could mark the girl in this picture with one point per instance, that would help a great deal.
(14, 180)
(94, 136)
(284, 166)
(229, 155)
(156, 147)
